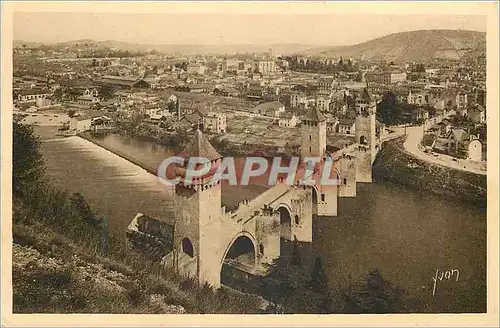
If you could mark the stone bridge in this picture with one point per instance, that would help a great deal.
(205, 236)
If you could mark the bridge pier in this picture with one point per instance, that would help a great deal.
(363, 165)
(347, 167)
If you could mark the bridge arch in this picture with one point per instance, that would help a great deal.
(286, 220)
(315, 193)
(285, 213)
(244, 247)
(187, 247)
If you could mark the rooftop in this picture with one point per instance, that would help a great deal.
(346, 121)
(364, 95)
(199, 146)
(313, 114)
(269, 105)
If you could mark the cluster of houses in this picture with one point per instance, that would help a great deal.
(455, 141)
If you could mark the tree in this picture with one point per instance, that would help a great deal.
(296, 260)
(420, 68)
(359, 77)
(58, 94)
(72, 93)
(286, 287)
(389, 111)
(28, 168)
(71, 113)
(373, 294)
(319, 279)
(82, 207)
(319, 285)
(107, 92)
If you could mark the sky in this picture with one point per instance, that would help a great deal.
(162, 28)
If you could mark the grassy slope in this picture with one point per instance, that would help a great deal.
(58, 272)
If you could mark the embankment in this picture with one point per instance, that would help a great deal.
(395, 165)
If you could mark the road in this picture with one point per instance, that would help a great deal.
(414, 137)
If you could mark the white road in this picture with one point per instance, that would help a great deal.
(414, 137)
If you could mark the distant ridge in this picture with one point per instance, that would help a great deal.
(419, 45)
(179, 48)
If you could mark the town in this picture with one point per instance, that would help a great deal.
(252, 101)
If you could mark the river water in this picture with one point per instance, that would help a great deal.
(406, 234)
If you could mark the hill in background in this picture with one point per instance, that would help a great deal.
(420, 45)
(417, 46)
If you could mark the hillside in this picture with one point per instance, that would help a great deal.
(412, 46)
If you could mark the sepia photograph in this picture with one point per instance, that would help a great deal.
(235, 162)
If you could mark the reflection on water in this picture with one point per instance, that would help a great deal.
(407, 235)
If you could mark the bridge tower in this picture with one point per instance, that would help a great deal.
(365, 126)
(198, 204)
(313, 144)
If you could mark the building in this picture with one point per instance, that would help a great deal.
(266, 66)
(122, 82)
(32, 94)
(273, 109)
(461, 101)
(418, 98)
(214, 122)
(432, 72)
(346, 126)
(297, 98)
(42, 102)
(475, 150)
(331, 124)
(197, 88)
(477, 114)
(437, 103)
(196, 68)
(325, 84)
(454, 139)
(288, 120)
(91, 92)
(323, 102)
(87, 100)
(385, 77)
(232, 67)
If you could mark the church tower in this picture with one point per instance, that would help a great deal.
(197, 203)
(365, 127)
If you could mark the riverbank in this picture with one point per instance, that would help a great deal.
(62, 271)
(395, 165)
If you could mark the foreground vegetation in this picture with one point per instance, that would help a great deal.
(65, 261)
(295, 286)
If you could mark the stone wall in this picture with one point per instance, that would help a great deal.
(397, 166)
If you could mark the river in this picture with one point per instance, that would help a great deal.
(406, 234)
